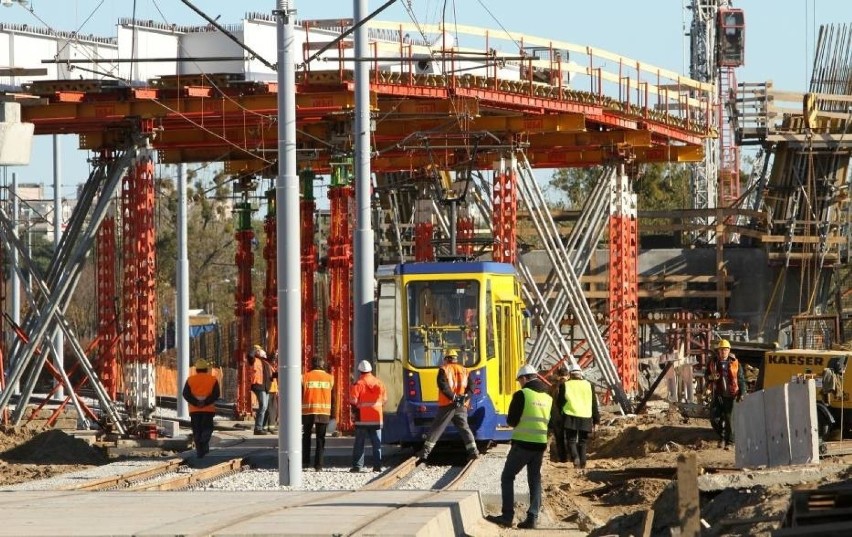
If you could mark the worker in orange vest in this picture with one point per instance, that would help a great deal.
(261, 378)
(317, 405)
(367, 397)
(726, 381)
(201, 391)
(453, 393)
(271, 421)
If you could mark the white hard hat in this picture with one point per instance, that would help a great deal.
(575, 369)
(364, 366)
(525, 370)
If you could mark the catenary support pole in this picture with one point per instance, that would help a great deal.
(58, 338)
(15, 280)
(363, 271)
(288, 251)
(182, 297)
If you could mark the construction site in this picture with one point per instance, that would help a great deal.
(232, 202)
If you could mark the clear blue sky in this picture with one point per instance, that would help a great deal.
(780, 34)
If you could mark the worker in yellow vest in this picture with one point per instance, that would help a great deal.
(201, 391)
(579, 406)
(317, 406)
(529, 414)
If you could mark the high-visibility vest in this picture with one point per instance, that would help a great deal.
(201, 386)
(316, 392)
(727, 382)
(257, 372)
(578, 398)
(457, 380)
(368, 395)
(533, 424)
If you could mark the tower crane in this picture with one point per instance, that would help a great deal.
(717, 48)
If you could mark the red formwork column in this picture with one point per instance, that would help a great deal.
(138, 288)
(107, 302)
(423, 250)
(623, 283)
(270, 288)
(464, 229)
(244, 304)
(341, 196)
(307, 208)
(505, 209)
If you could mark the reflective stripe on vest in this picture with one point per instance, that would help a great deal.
(316, 392)
(201, 386)
(457, 381)
(533, 424)
(578, 398)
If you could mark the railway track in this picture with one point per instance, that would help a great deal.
(454, 475)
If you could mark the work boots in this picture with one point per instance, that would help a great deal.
(527, 524)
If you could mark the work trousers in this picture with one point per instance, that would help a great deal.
(447, 414)
(308, 423)
(202, 431)
(361, 434)
(723, 409)
(559, 444)
(262, 403)
(576, 440)
(517, 458)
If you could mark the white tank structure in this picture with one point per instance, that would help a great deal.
(401, 47)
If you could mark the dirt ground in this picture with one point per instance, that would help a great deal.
(27, 454)
(619, 485)
(630, 471)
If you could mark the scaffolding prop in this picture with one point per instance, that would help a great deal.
(623, 282)
(107, 301)
(138, 293)
(55, 289)
(341, 197)
(244, 299)
(309, 266)
(531, 194)
(270, 287)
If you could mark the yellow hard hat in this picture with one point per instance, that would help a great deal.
(723, 344)
(201, 363)
(452, 353)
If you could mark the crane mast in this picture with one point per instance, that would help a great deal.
(703, 67)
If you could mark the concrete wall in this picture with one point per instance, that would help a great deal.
(777, 427)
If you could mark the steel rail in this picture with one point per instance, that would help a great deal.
(462, 475)
(126, 478)
(184, 481)
(387, 481)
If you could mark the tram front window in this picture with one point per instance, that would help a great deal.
(443, 315)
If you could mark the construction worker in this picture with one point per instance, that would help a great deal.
(201, 391)
(579, 407)
(271, 421)
(260, 382)
(557, 384)
(453, 393)
(317, 385)
(726, 381)
(367, 397)
(529, 414)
